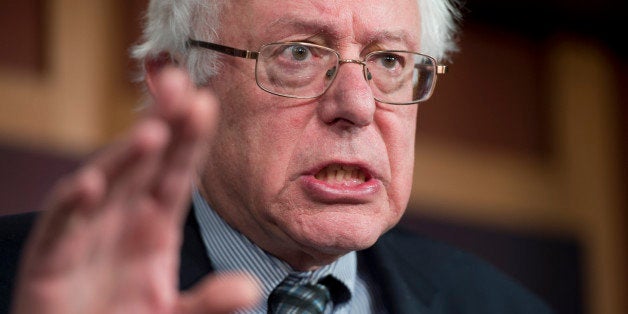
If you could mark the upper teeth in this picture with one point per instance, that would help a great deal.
(338, 173)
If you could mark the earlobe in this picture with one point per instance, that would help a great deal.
(154, 66)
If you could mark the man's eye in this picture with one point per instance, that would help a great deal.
(300, 53)
(390, 61)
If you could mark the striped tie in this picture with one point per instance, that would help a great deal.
(290, 297)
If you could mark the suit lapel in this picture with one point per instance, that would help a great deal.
(194, 262)
(403, 289)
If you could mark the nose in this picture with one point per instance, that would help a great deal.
(349, 101)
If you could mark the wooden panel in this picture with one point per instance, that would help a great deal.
(21, 35)
(585, 97)
(492, 99)
(133, 16)
(623, 144)
(124, 93)
(68, 108)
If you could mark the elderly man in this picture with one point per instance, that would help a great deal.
(294, 138)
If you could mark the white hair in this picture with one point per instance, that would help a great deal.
(169, 24)
(438, 27)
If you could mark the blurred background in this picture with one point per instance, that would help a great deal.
(521, 152)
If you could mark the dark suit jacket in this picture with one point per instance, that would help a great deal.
(416, 275)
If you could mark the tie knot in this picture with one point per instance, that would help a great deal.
(290, 297)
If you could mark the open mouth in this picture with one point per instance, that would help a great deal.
(344, 175)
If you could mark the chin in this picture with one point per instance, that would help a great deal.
(339, 234)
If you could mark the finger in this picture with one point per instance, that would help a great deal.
(172, 87)
(224, 293)
(183, 157)
(132, 176)
(76, 199)
(191, 130)
(79, 191)
(152, 130)
(67, 209)
(146, 136)
(130, 165)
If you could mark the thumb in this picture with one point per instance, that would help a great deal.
(224, 293)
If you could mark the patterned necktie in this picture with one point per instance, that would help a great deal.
(290, 297)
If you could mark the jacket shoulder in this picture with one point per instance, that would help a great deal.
(451, 280)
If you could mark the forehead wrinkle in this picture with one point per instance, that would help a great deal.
(339, 25)
(372, 35)
(318, 26)
(304, 25)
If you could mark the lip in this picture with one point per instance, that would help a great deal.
(324, 192)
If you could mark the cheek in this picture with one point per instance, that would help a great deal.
(399, 135)
(275, 150)
(264, 141)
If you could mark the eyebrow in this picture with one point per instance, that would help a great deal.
(400, 36)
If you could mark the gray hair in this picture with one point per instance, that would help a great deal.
(169, 23)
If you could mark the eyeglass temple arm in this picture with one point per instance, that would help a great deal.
(223, 49)
(440, 69)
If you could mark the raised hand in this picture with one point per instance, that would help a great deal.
(109, 238)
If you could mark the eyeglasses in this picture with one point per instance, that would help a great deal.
(305, 70)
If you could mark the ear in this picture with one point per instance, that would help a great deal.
(154, 65)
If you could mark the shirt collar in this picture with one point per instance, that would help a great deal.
(229, 250)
